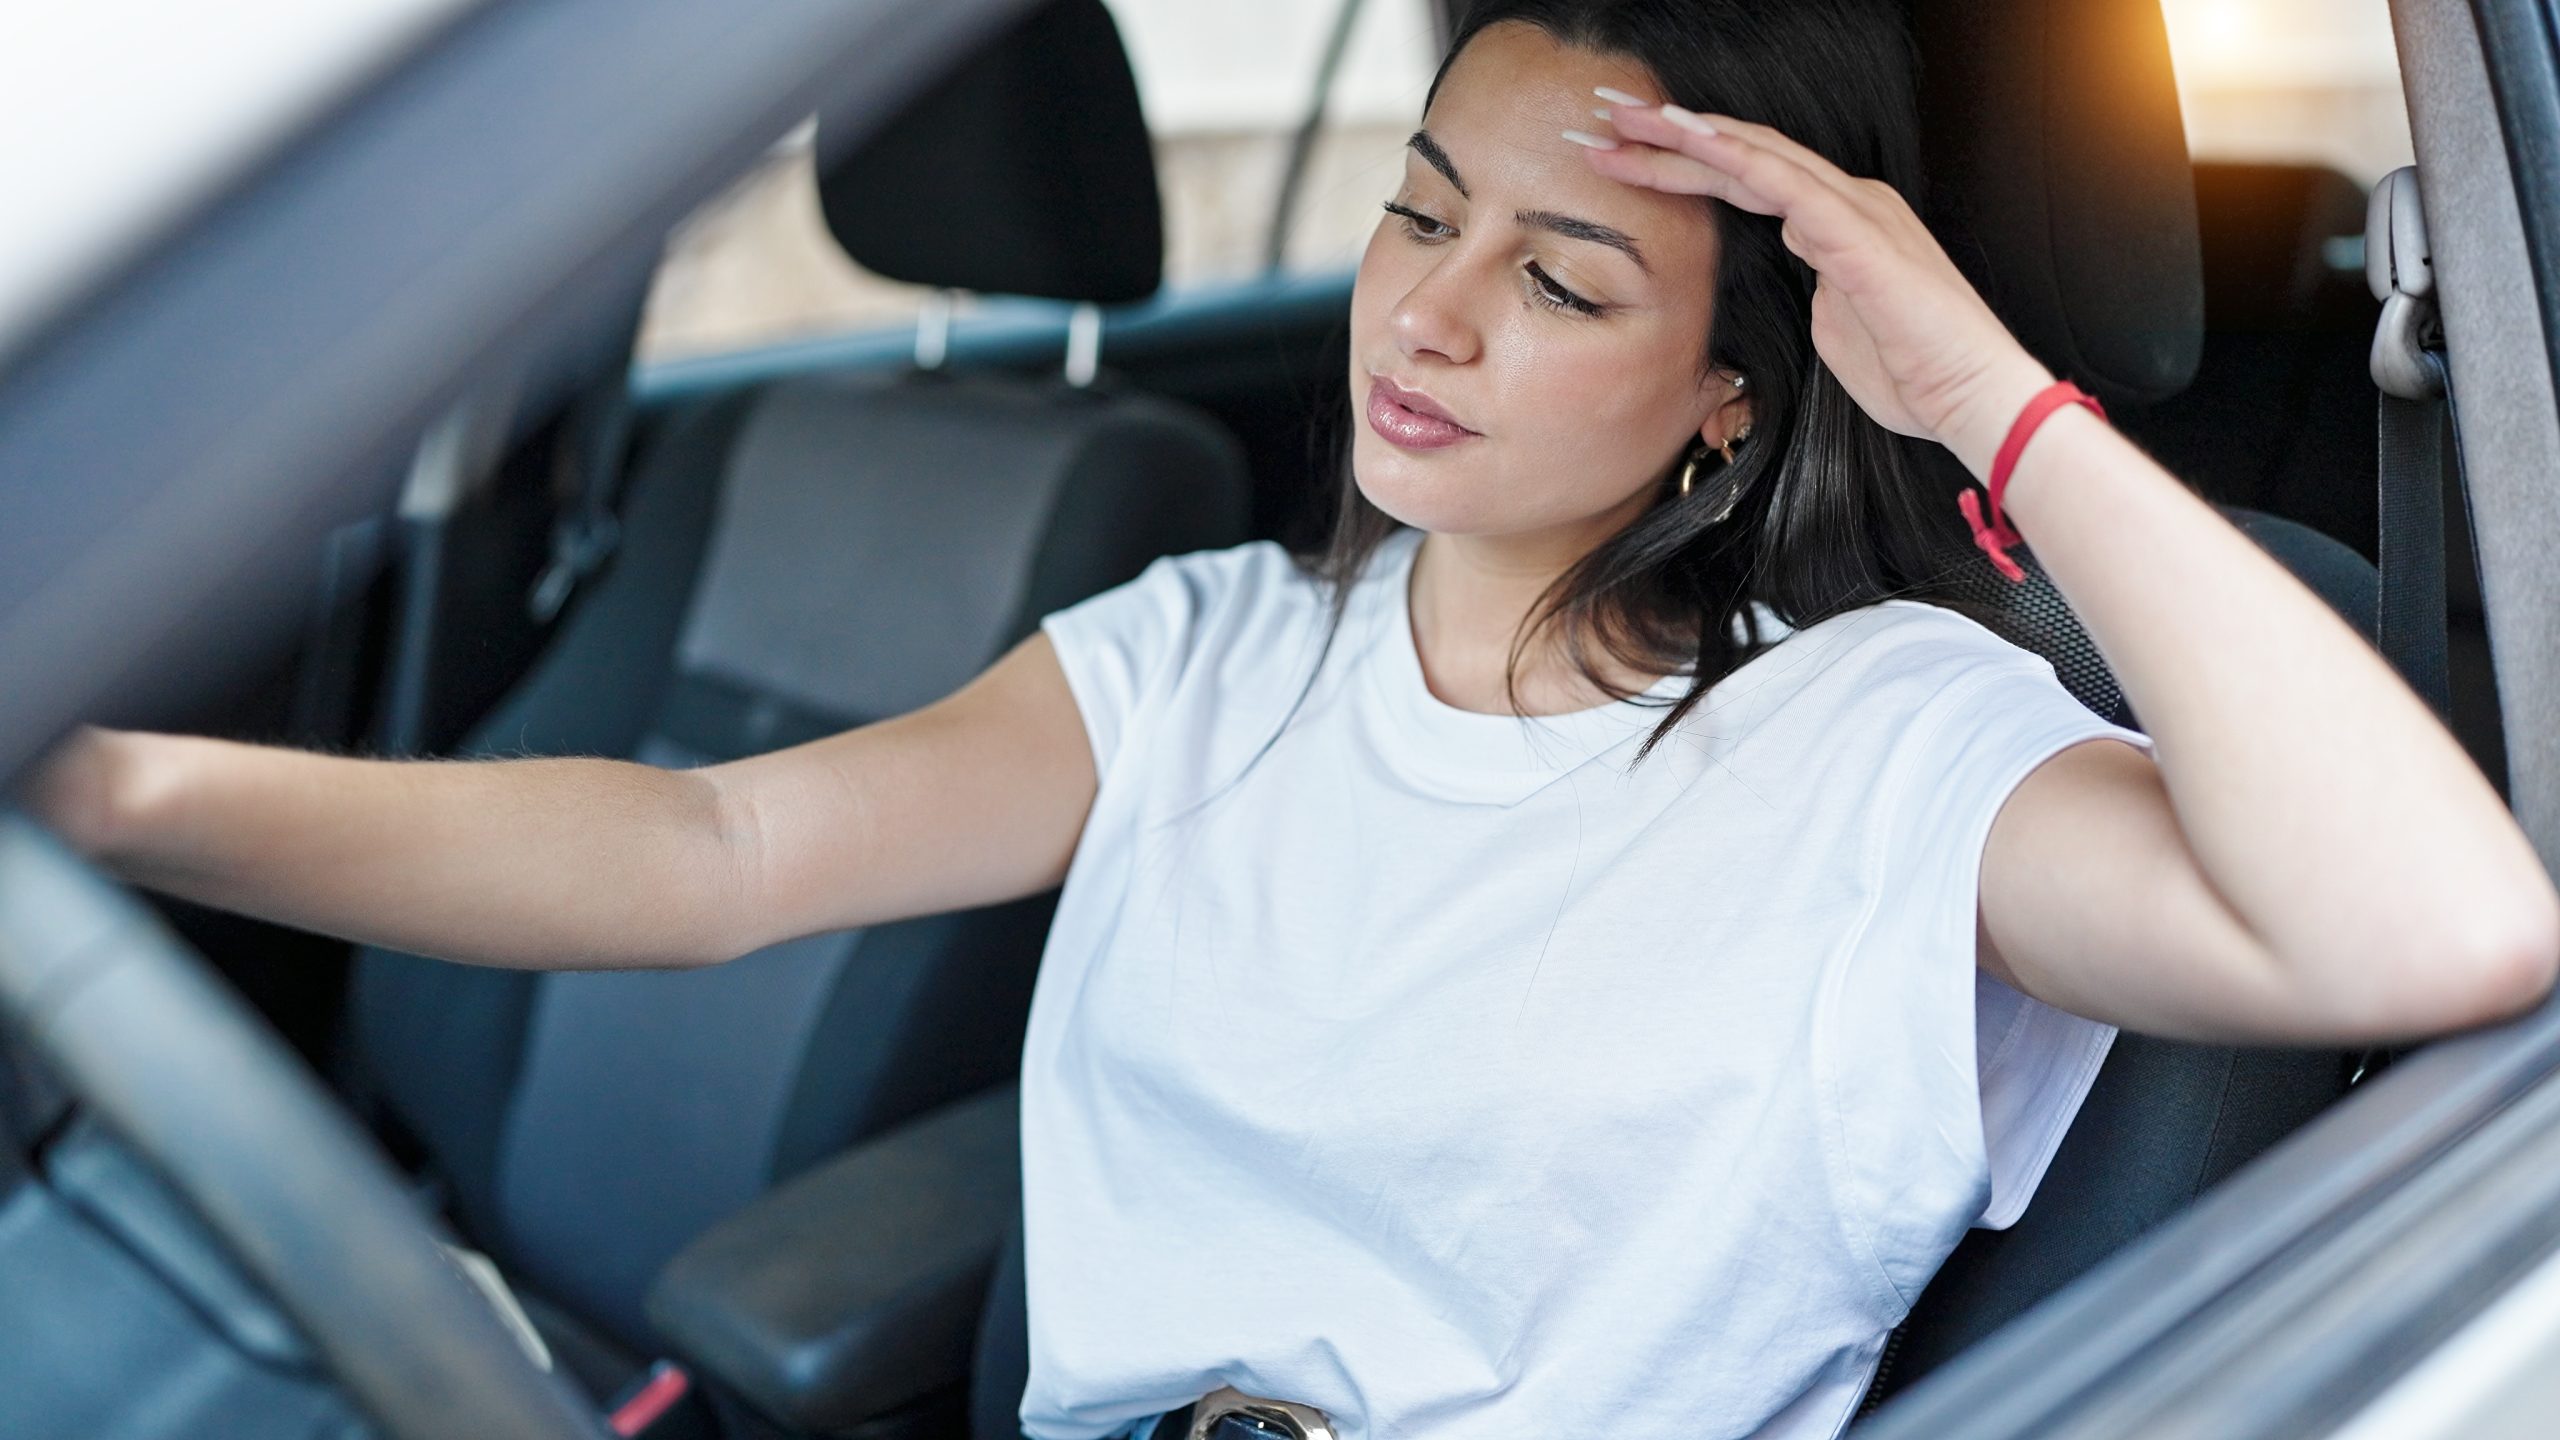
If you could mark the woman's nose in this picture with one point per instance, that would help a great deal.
(1432, 318)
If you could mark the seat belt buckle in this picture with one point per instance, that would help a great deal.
(647, 1401)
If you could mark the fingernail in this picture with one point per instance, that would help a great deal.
(1594, 142)
(1601, 114)
(1688, 120)
(1617, 97)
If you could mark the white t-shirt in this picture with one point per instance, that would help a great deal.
(1436, 1070)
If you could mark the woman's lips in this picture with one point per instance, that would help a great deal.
(1410, 420)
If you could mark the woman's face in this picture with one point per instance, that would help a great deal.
(1525, 333)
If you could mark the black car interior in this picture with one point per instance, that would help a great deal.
(797, 1174)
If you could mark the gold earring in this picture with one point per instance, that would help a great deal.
(1688, 473)
(1736, 438)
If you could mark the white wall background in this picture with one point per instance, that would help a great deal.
(1245, 64)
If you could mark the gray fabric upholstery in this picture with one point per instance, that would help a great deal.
(853, 1293)
(437, 1046)
(866, 547)
(617, 1065)
(819, 595)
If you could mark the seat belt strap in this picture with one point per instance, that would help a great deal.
(2415, 427)
(2410, 611)
(591, 448)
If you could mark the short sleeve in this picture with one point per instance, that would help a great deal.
(1124, 649)
(1995, 1077)
(2032, 1064)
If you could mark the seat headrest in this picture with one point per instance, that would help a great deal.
(2060, 182)
(1026, 172)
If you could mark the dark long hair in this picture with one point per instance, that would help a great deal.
(1829, 510)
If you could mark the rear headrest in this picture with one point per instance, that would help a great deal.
(1026, 172)
(2060, 182)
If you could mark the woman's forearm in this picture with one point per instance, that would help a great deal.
(2331, 810)
(558, 864)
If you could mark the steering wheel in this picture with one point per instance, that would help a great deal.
(140, 1032)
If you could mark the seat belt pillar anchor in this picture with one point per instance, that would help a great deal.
(2399, 268)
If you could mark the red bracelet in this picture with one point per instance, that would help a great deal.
(1992, 532)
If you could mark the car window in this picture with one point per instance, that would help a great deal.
(1225, 86)
(2291, 81)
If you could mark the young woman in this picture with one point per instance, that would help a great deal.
(1576, 955)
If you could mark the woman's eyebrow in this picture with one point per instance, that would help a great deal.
(1568, 226)
(1438, 159)
(1574, 229)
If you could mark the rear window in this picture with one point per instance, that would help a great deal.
(1225, 85)
(2309, 82)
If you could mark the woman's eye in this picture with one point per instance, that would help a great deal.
(1552, 293)
(1418, 225)
(1425, 230)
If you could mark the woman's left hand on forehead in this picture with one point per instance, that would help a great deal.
(1907, 335)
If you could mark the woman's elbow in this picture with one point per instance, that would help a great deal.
(2495, 962)
(2518, 968)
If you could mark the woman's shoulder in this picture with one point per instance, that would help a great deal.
(1193, 605)
(1258, 582)
(1249, 566)
(1196, 624)
(1884, 664)
(1912, 634)
(1252, 568)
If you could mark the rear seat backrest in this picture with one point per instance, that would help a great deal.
(2288, 322)
(822, 552)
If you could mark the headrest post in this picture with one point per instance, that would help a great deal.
(933, 330)
(1084, 344)
(2399, 266)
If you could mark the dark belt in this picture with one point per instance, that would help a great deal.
(1235, 1416)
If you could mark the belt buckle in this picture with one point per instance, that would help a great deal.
(1268, 1419)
